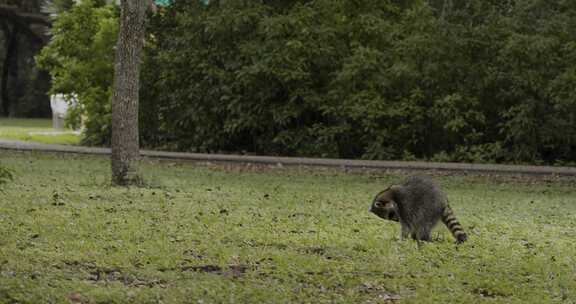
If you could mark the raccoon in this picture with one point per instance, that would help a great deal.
(418, 204)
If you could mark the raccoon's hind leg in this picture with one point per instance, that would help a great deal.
(423, 234)
(405, 231)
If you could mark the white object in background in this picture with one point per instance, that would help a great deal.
(59, 107)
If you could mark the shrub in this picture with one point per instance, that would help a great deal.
(80, 59)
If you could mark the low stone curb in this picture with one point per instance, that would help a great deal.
(300, 161)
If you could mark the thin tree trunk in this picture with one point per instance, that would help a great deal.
(125, 144)
(9, 67)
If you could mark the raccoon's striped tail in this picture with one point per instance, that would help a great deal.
(453, 225)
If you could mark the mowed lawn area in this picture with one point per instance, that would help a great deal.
(201, 233)
(37, 130)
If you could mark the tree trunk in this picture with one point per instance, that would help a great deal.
(125, 144)
(9, 67)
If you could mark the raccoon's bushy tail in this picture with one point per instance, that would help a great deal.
(453, 225)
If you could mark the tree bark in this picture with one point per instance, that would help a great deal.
(32, 25)
(125, 143)
(9, 67)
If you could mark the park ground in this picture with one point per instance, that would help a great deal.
(213, 233)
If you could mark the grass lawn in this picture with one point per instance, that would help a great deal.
(37, 130)
(245, 234)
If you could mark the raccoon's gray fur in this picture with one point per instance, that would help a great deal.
(418, 204)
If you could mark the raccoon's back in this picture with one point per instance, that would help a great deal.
(422, 193)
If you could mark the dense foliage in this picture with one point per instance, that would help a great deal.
(80, 59)
(470, 80)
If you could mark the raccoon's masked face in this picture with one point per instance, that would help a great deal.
(385, 208)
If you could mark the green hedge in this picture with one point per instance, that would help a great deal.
(472, 81)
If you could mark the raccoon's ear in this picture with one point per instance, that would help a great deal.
(378, 196)
(395, 190)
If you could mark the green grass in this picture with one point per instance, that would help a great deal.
(32, 129)
(245, 234)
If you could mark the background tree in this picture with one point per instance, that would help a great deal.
(125, 140)
(23, 32)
